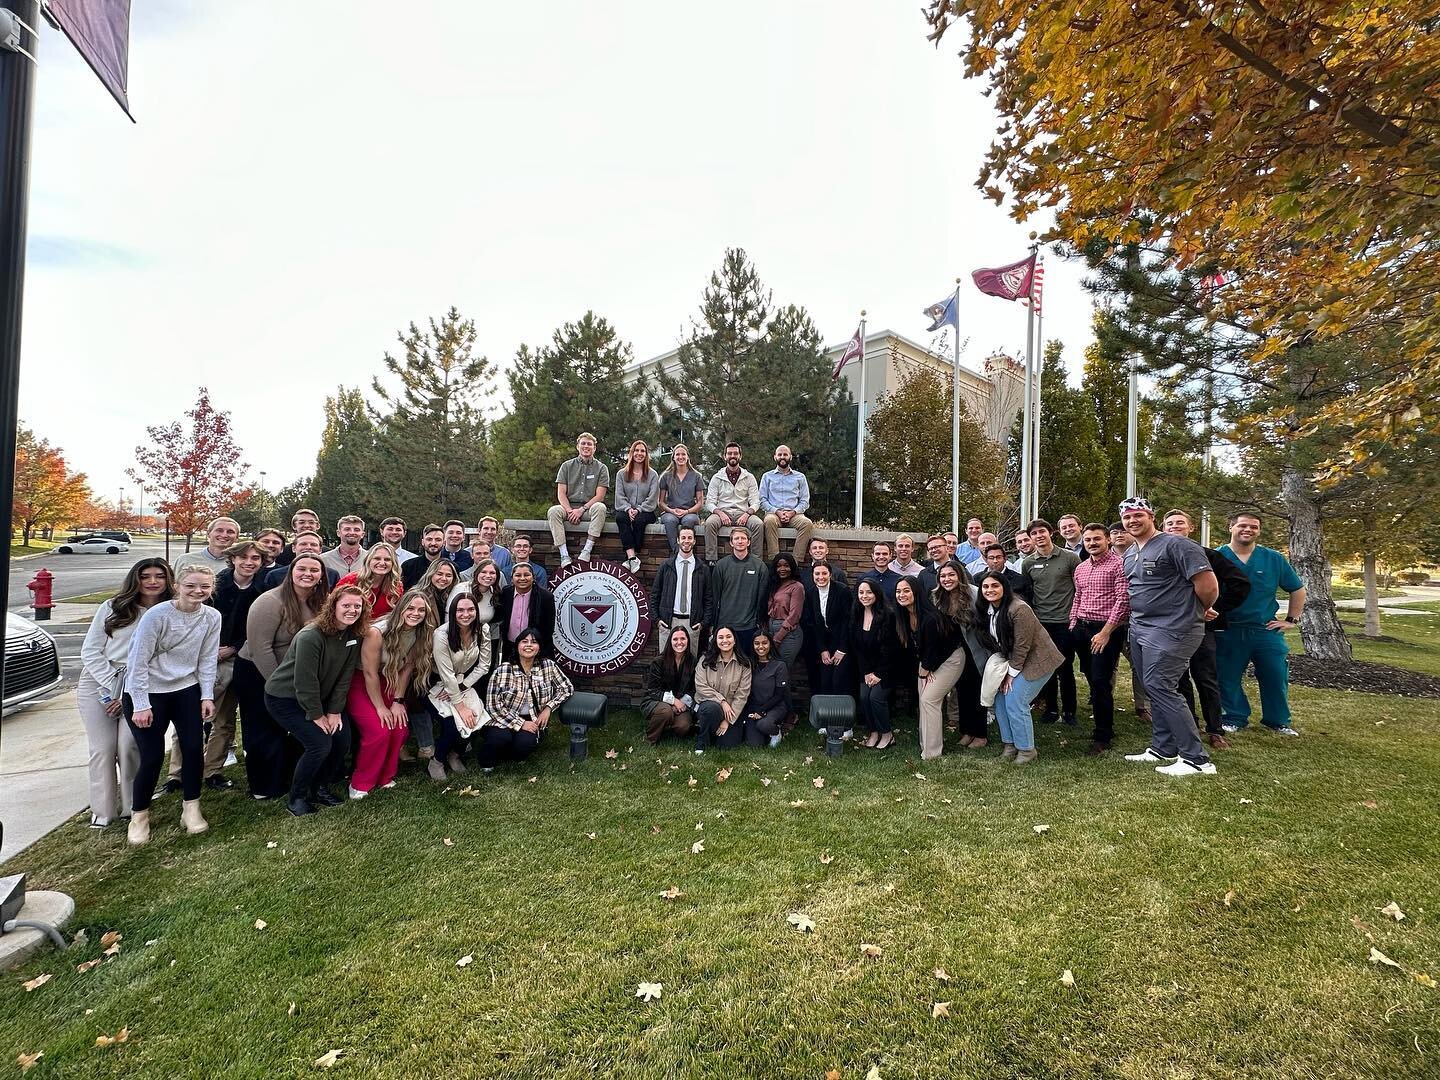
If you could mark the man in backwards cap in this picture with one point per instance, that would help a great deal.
(1171, 586)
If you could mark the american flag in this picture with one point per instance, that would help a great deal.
(1037, 286)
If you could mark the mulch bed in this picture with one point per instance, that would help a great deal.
(1361, 677)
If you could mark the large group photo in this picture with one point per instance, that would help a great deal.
(1021, 658)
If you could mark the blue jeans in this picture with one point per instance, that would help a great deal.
(1012, 712)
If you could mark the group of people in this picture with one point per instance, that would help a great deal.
(333, 657)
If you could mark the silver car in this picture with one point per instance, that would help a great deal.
(32, 664)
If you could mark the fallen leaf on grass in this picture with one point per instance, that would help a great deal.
(260, 924)
(448, 842)
(826, 858)
(832, 1074)
(109, 938)
(80, 938)
(872, 952)
(291, 1010)
(37, 982)
(27, 1061)
(103, 1041)
(939, 1009)
(1378, 957)
(941, 975)
(1041, 830)
(533, 779)
(649, 991)
(1393, 910)
(1229, 897)
(819, 781)
(612, 754)
(80, 969)
(809, 761)
(465, 961)
(723, 775)
(327, 1060)
(654, 830)
(766, 781)
(797, 802)
(874, 1073)
(1370, 804)
(592, 836)
(1067, 978)
(692, 781)
(1247, 802)
(920, 776)
(801, 922)
(947, 802)
(1423, 979)
(672, 893)
(697, 847)
(699, 826)
(272, 844)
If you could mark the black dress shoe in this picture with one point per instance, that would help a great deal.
(1070, 719)
(219, 783)
(170, 787)
(326, 797)
(299, 807)
(1049, 717)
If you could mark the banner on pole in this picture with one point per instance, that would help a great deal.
(943, 313)
(1011, 282)
(100, 32)
(853, 351)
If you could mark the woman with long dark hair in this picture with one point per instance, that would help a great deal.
(874, 647)
(722, 686)
(307, 692)
(392, 660)
(942, 652)
(102, 688)
(767, 707)
(637, 492)
(785, 607)
(669, 697)
(463, 649)
(827, 623)
(1006, 625)
(523, 696)
(170, 679)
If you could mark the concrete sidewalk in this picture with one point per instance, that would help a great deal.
(1396, 605)
(43, 771)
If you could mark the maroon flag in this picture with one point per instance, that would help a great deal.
(1007, 282)
(100, 31)
(853, 351)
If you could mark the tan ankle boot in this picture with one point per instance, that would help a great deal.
(191, 817)
(1024, 757)
(139, 831)
(1009, 752)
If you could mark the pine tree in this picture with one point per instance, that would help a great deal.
(1106, 386)
(1074, 470)
(347, 463)
(526, 488)
(431, 434)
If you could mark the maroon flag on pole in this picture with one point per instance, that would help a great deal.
(1011, 282)
(100, 30)
(853, 351)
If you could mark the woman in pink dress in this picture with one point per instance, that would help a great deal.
(392, 661)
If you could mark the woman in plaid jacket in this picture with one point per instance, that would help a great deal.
(523, 696)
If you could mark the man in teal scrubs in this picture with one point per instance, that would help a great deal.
(1254, 634)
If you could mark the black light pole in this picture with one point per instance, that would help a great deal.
(17, 93)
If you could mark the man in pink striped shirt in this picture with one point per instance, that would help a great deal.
(1099, 615)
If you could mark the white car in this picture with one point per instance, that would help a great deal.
(93, 545)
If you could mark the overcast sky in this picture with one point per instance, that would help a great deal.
(306, 179)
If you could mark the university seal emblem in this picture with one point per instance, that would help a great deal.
(602, 618)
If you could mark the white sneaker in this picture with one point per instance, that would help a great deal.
(585, 553)
(1287, 732)
(565, 559)
(774, 741)
(699, 751)
(355, 794)
(1187, 768)
(1230, 729)
(230, 759)
(634, 565)
(1148, 756)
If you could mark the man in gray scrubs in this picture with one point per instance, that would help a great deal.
(1171, 585)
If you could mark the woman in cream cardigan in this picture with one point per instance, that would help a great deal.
(464, 652)
(1006, 624)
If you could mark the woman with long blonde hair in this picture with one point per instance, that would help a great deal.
(378, 579)
(391, 662)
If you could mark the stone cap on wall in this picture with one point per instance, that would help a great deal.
(866, 535)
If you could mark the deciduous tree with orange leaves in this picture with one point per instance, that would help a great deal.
(47, 493)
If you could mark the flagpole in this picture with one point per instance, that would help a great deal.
(955, 423)
(1025, 510)
(860, 435)
(1132, 427)
(1039, 404)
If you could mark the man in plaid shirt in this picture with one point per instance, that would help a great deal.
(1098, 618)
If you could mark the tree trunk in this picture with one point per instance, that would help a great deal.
(1372, 598)
(25, 534)
(1320, 628)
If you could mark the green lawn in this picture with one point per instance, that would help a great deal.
(1357, 592)
(1214, 928)
(1416, 643)
(35, 547)
(90, 598)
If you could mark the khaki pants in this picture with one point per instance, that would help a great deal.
(663, 718)
(932, 695)
(803, 527)
(713, 525)
(556, 517)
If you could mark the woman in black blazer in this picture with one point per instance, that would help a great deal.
(827, 637)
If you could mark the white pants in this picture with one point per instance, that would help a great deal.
(114, 757)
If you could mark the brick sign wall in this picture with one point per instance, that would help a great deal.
(848, 548)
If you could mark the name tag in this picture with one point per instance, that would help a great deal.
(351, 642)
(749, 571)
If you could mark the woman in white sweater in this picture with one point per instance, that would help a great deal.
(464, 652)
(170, 679)
(102, 683)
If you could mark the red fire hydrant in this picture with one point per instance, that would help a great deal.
(42, 586)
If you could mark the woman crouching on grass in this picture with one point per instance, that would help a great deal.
(463, 649)
(1006, 624)
(722, 686)
(523, 696)
(391, 662)
(669, 702)
(170, 679)
(306, 695)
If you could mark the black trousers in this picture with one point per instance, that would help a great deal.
(875, 707)
(499, 744)
(1099, 671)
(758, 732)
(709, 716)
(322, 756)
(632, 533)
(1202, 677)
(178, 707)
(967, 700)
(270, 754)
(1063, 680)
